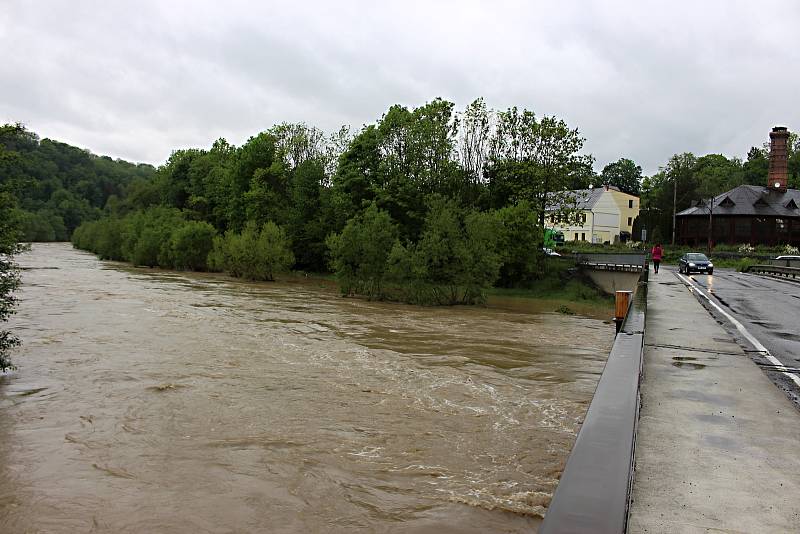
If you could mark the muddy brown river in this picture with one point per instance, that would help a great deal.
(158, 401)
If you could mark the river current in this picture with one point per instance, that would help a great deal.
(158, 401)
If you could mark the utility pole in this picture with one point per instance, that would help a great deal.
(674, 204)
(710, 223)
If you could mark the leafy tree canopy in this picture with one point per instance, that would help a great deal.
(624, 174)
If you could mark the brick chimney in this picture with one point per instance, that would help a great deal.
(778, 165)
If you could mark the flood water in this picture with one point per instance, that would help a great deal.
(156, 401)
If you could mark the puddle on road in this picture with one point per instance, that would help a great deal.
(687, 362)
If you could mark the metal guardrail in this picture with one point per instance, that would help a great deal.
(782, 263)
(775, 270)
(593, 495)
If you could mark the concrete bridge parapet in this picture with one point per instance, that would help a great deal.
(593, 495)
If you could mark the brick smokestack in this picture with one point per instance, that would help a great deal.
(778, 163)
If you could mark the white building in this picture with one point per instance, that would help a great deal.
(605, 214)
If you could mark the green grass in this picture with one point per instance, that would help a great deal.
(561, 290)
(574, 298)
(574, 290)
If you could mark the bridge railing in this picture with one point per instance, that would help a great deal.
(782, 263)
(775, 270)
(593, 495)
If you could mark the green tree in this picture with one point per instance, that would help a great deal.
(255, 253)
(793, 146)
(9, 246)
(474, 137)
(455, 260)
(581, 173)
(623, 174)
(191, 244)
(308, 219)
(756, 167)
(519, 243)
(533, 160)
(356, 180)
(298, 143)
(673, 185)
(716, 174)
(273, 252)
(59, 186)
(358, 255)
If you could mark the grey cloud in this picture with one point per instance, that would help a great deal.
(640, 80)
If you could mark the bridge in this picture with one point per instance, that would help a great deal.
(694, 426)
(788, 268)
(613, 272)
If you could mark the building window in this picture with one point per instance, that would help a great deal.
(781, 227)
(576, 236)
(630, 204)
(630, 221)
(583, 236)
(583, 218)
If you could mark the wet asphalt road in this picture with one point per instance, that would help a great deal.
(768, 308)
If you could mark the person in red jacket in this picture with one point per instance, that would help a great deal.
(656, 253)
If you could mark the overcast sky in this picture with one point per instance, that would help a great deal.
(642, 80)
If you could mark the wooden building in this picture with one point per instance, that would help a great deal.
(759, 215)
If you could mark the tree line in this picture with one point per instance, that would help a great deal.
(701, 177)
(426, 204)
(9, 246)
(58, 186)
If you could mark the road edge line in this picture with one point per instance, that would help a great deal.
(742, 330)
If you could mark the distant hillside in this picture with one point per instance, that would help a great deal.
(58, 186)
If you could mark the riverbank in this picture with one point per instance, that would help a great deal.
(551, 294)
(557, 291)
(573, 297)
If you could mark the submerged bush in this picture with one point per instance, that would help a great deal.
(454, 261)
(360, 252)
(256, 253)
(155, 237)
(191, 244)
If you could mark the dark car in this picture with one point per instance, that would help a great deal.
(695, 262)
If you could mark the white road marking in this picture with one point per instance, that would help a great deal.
(756, 343)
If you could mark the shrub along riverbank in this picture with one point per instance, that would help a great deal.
(162, 237)
(460, 257)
